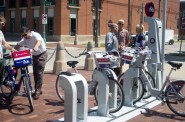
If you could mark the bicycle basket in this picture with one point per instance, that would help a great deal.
(108, 61)
(127, 57)
(21, 58)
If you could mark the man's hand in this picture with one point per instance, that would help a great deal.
(36, 49)
(13, 50)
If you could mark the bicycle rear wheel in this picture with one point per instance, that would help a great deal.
(120, 95)
(174, 102)
(59, 90)
(28, 91)
(6, 85)
(138, 87)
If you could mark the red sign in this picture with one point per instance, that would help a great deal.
(149, 9)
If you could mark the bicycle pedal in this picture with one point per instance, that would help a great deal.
(162, 103)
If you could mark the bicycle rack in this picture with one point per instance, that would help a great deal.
(127, 85)
(75, 87)
(103, 91)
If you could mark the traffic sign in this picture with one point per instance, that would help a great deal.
(149, 9)
(44, 18)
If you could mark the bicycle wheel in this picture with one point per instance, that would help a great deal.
(28, 91)
(6, 85)
(138, 87)
(59, 90)
(120, 95)
(174, 102)
(152, 82)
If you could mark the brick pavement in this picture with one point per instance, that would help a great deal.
(48, 107)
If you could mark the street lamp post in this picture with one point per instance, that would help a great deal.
(96, 22)
(44, 27)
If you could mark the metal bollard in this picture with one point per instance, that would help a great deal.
(60, 62)
(76, 40)
(89, 60)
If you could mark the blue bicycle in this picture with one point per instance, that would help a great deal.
(9, 86)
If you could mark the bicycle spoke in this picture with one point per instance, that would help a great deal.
(176, 97)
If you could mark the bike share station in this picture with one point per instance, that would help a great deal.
(75, 86)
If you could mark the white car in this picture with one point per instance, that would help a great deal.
(146, 36)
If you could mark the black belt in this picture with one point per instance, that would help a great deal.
(40, 54)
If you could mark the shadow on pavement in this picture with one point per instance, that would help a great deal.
(152, 113)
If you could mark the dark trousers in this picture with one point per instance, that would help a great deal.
(1, 70)
(39, 63)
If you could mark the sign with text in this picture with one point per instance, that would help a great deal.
(44, 18)
(149, 9)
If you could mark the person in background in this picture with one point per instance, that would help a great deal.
(123, 35)
(3, 44)
(35, 42)
(140, 37)
(111, 42)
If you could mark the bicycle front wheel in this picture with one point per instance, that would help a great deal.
(59, 90)
(175, 97)
(28, 91)
(6, 85)
(137, 88)
(118, 95)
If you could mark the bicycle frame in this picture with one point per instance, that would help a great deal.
(24, 72)
(159, 93)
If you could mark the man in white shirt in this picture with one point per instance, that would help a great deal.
(35, 42)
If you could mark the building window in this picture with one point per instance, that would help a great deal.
(50, 26)
(100, 4)
(35, 2)
(36, 24)
(73, 2)
(2, 3)
(12, 3)
(12, 25)
(73, 27)
(23, 22)
(50, 1)
(23, 3)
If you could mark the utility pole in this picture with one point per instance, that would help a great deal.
(159, 9)
(142, 14)
(96, 22)
(129, 19)
(44, 28)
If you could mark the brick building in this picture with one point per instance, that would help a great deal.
(65, 18)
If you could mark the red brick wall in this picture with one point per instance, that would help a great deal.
(116, 9)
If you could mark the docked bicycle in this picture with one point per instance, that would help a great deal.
(9, 86)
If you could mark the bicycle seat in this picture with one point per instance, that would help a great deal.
(72, 63)
(175, 64)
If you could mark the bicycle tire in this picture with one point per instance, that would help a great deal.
(138, 86)
(59, 90)
(28, 91)
(6, 85)
(152, 82)
(120, 94)
(175, 103)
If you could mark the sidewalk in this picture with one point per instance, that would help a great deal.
(49, 107)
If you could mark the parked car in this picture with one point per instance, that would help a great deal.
(132, 40)
(146, 36)
(169, 36)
